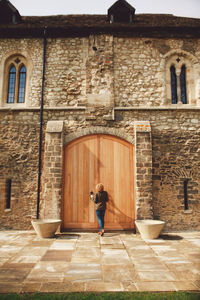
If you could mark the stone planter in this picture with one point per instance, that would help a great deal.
(46, 228)
(149, 229)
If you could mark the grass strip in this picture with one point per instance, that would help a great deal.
(104, 296)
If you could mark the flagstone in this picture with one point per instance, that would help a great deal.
(3, 260)
(13, 275)
(112, 246)
(162, 248)
(140, 253)
(48, 271)
(83, 272)
(191, 275)
(62, 287)
(36, 251)
(197, 283)
(57, 255)
(88, 244)
(146, 260)
(119, 273)
(62, 245)
(156, 276)
(10, 265)
(87, 252)
(157, 286)
(110, 241)
(88, 237)
(114, 252)
(129, 286)
(186, 285)
(31, 287)
(40, 243)
(86, 260)
(104, 286)
(10, 249)
(10, 287)
(151, 267)
(25, 259)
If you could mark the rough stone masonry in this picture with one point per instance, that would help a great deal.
(118, 83)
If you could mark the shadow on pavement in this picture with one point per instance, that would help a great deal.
(171, 237)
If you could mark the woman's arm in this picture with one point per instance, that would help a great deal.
(106, 198)
(96, 198)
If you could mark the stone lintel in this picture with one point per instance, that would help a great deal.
(54, 126)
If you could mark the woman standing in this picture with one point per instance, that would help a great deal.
(100, 200)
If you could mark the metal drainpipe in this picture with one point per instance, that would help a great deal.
(41, 124)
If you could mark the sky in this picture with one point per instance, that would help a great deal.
(185, 8)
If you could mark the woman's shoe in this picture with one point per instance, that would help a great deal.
(102, 232)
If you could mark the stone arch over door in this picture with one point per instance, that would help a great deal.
(118, 132)
(92, 159)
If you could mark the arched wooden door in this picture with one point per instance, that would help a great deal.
(88, 161)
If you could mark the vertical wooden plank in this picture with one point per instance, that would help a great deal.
(93, 176)
(117, 184)
(80, 181)
(68, 181)
(106, 174)
(74, 183)
(85, 183)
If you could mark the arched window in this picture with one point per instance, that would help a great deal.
(16, 76)
(178, 89)
(22, 84)
(183, 85)
(174, 85)
(11, 84)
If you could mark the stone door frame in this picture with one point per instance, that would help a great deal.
(52, 176)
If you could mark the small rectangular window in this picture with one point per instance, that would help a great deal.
(186, 194)
(8, 192)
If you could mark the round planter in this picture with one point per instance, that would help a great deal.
(149, 229)
(46, 228)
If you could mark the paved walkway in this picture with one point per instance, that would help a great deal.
(87, 262)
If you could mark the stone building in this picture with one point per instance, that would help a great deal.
(109, 98)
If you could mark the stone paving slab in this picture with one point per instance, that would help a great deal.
(75, 262)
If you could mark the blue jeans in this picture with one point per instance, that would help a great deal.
(100, 217)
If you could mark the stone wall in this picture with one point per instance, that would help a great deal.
(106, 89)
(66, 68)
(175, 158)
(19, 162)
(137, 67)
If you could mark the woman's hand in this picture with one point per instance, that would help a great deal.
(91, 195)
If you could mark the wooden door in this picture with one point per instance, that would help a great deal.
(88, 161)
